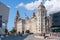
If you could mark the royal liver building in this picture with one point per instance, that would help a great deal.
(37, 24)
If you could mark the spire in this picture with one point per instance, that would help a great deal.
(17, 13)
(26, 16)
(41, 5)
(17, 16)
(33, 14)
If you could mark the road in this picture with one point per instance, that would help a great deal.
(24, 37)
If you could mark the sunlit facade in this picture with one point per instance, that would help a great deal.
(36, 24)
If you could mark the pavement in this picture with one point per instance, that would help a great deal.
(25, 37)
(31, 37)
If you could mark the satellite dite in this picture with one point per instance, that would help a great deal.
(4, 13)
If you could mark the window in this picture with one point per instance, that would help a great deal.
(3, 24)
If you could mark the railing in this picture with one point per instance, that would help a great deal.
(56, 34)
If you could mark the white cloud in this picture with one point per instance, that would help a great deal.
(20, 5)
(8, 6)
(30, 6)
(52, 6)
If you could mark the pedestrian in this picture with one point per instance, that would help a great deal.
(44, 35)
(19, 33)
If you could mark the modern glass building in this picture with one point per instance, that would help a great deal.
(4, 13)
(56, 21)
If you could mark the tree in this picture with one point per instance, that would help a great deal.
(27, 31)
(13, 30)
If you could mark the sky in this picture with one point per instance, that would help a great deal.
(28, 7)
(12, 4)
(52, 6)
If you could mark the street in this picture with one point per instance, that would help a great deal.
(24, 37)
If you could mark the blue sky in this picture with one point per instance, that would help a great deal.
(12, 12)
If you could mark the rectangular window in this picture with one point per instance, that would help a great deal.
(0, 21)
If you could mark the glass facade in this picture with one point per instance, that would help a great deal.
(56, 19)
(56, 22)
(0, 21)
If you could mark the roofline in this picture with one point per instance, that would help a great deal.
(4, 4)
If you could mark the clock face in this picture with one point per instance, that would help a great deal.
(0, 21)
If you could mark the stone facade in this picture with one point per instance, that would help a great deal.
(49, 24)
(37, 24)
(33, 24)
(41, 14)
(19, 23)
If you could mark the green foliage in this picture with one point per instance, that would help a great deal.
(13, 31)
(27, 31)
